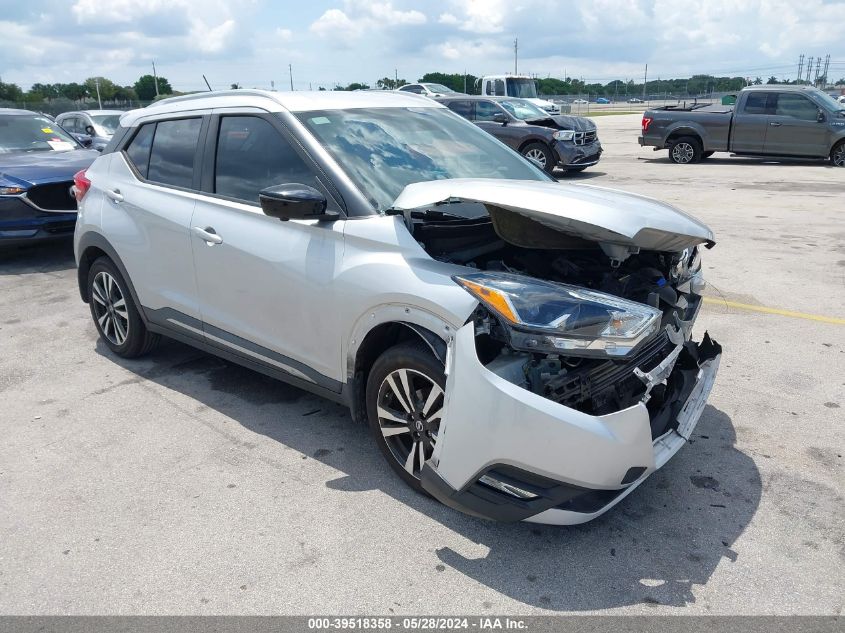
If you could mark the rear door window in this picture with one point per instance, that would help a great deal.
(253, 155)
(464, 108)
(755, 103)
(173, 152)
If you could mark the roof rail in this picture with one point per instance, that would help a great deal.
(212, 93)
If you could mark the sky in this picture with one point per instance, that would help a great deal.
(329, 42)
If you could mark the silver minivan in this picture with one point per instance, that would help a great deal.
(520, 349)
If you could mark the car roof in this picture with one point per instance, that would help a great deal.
(18, 111)
(462, 97)
(304, 101)
(779, 88)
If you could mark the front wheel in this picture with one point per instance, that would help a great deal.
(405, 397)
(540, 155)
(837, 155)
(685, 150)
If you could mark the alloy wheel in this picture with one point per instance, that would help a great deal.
(839, 155)
(410, 407)
(682, 152)
(537, 155)
(110, 308)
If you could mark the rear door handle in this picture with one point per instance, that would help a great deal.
(207, 235)
(114, 194)
(775, 124)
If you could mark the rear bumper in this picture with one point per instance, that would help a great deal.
(574, 466)
(20, 222)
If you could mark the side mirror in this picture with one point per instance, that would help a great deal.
(500, 117)
(89, 129)
(84, 139)
(820, 117)
(293, 201)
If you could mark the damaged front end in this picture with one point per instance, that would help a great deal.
(577, 376)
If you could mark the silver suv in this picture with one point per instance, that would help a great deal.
(519, 348)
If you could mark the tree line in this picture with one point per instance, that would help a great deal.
(142, 90)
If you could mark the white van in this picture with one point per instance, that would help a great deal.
(515, 86)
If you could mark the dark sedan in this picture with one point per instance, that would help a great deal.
(568, 142)
(38, 160)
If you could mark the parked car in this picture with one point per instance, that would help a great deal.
(635, 100)
(564, 141)
(520, 348)
(428, 89)
(518, 87)
(841, 99)
(603, 100)
(580, 101)
(783, 121)
(94, 125)
(37, 163)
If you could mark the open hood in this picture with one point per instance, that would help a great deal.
(522, 211)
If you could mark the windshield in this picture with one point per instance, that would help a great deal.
(22, 133)
(523, 110)
(522, 88)
(108, 122)
(384, 149)
(826, 100)
(438, 88)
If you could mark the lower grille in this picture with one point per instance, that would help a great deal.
(53, 197)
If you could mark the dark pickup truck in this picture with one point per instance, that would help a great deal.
(782, 121)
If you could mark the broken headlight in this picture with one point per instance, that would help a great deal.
(541, 316)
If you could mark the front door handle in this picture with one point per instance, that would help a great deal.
(208, 235)
(775, 124)
(114, 194)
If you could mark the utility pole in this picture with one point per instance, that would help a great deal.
(800, 66)
(97, 84)
(395, 77)
(809, 69)
(155, 77)
(818, 67)
(645, 81)
(826, 66)
(272, 85)
(290, 70)
(515, 52)
(465, 81)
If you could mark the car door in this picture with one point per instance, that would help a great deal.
(483, 118)
(794, 127)
(265, 285)
(147, 213)
(751, 123)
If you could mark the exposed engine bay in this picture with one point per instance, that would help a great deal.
(667, 281)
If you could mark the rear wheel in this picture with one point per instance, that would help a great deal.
(114, 312)
(837, 155)
(541, 155)
(685, 150)
(404, 406)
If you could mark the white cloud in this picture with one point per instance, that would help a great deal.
(448, 18)
(360, 17)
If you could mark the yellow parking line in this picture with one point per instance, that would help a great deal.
(787, 313)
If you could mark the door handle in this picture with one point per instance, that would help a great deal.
(207, 235)
(115, 195)
(775, 124)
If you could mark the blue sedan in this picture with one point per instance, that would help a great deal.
(38, 160)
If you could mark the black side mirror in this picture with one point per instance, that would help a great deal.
(84, 139)
(293, 201)
(89, 129)
(500, 117)
(820, 117)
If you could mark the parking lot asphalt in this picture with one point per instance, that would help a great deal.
(180, 484)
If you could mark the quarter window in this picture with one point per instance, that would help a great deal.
(252, 155)
(173, 151)
(138, 150)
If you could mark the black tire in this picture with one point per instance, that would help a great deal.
(541, 153)
(685, 150)
(706, 155)
(837, 155)
(115, 314)
(425, 379)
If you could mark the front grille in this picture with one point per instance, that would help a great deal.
(53, 197)
(600, 387)
(585, 138)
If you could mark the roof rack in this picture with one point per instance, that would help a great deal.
(212, 93)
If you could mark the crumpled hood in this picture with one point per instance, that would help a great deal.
(577, 123)
(25, 169)
(606, 216)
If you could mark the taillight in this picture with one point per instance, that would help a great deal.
(646, 123)
(81, 185)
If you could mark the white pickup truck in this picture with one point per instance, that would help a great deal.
(521, 87)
